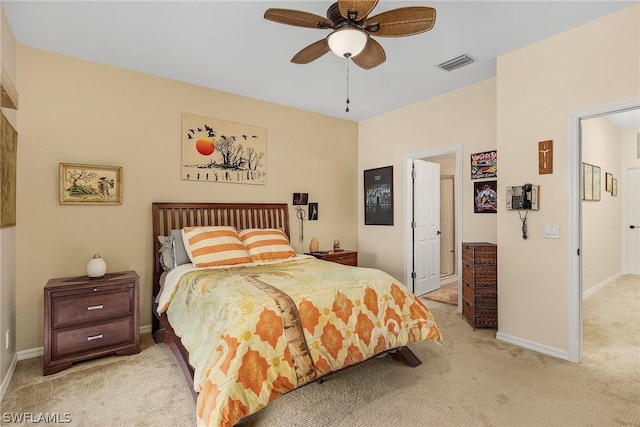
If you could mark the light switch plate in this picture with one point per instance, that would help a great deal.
(550, 231)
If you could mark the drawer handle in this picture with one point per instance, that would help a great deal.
(95, 337)
(95, 307)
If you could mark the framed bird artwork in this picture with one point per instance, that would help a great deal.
(222, 152)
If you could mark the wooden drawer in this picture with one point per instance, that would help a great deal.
(480, 253)
(482, 296)
(479, 317)
(91, 307)
(346, 258)
(341, 257)
(479, 275)
(74, 341)
(467, 290)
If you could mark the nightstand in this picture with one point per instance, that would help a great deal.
(86, 318)
(341, 257)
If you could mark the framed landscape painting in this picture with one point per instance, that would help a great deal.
(223, 152)
(90, 184)
(8, 153)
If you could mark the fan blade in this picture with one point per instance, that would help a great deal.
(356, 10)
(311, 52)
(405, 21)
(297, 18)
(371, 56)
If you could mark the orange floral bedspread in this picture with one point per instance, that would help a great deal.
(254, 332)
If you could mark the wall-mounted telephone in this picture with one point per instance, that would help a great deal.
(524, 197)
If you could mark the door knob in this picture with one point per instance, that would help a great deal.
(634, 226)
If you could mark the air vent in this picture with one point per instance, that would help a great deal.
(458, 62)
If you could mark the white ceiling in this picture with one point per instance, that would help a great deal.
(626, 120)
(227, 45)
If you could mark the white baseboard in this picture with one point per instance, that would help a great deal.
(7, 378)
(540, 348)
(30, 353)
(601, 285)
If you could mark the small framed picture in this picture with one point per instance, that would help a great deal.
(608, 185)
(590, 182)
(485, 197)
(614, 187)
(378, 196)
(596, 183)
(313, 211)
(90, 184)
(300, 199)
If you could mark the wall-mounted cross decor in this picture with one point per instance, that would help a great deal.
(545, 157)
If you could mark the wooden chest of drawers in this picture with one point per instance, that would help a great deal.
(86, 318)
(480, 284)
(341, 257)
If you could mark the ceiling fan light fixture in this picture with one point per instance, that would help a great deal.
(347, 41)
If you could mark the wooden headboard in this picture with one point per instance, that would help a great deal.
(172, 216)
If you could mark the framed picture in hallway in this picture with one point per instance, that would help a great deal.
(590, 182)
(378, 196)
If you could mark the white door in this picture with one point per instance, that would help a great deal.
(426, 215)
(633, 221)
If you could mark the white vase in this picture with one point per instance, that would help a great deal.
(96, 267)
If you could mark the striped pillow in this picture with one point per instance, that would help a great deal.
(212, 246)
(266, 244)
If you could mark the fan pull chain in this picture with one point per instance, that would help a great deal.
(524, 224)
(347, 55)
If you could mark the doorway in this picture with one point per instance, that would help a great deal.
(577, 274)
(450, 160)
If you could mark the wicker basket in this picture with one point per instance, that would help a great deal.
(480, 284)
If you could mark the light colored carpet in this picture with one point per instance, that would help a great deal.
(146, 389)
(471, 380)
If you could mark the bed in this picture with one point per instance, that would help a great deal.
(254, 320)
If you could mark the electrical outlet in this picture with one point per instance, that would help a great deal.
(7, 337)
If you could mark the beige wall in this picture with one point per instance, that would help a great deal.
(538, 87)
(630, 151)
(76, 111)
(601, 220)
(465, 118)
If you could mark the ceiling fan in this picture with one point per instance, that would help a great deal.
(352, 29)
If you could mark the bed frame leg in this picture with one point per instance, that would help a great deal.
(406, 356)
